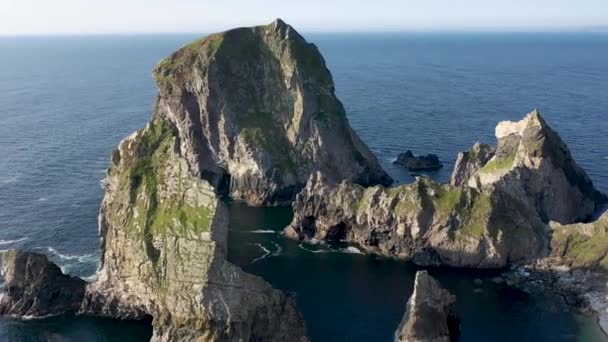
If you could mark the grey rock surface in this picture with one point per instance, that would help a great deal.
(164, 245)
(532, 157)
(36, 287)
(430, 314)
(493, 212)
(256, 114)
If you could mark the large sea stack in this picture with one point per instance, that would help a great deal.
(250, 107)
(494, 212)
(256, 115)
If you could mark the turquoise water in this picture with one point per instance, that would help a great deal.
(65, 102)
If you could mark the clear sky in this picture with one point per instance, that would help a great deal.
(19, 17)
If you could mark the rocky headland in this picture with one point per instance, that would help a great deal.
(430, 315)
(494, 212)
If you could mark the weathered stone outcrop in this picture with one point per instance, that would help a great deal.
(256, 114)
(164, 235)
(470, 162)
(581, 245)
(493, 212)
(430, 314)
(427, 222)
(430, 162)
(36, 287)
(532, 157)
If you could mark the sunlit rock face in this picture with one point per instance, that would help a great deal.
(164, 235)
(430, 315)
(494, 211)
(256, 114)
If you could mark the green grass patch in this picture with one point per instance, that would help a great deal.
(476, 218)
(497, 164)
(446, 200)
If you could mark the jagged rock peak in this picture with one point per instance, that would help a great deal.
(256, 114)
(532, 156)
(36, 287)
(469, 162)
(430, 315)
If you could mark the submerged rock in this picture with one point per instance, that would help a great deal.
(164, 245)
(430, 162)
(430, 315)
(492, 213)
(36, 287)
(256, 114)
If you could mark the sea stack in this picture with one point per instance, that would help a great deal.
(256, 114)
(532, 159)
(430, 314)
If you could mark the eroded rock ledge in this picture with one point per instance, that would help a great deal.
(494, 212)
(430, 314)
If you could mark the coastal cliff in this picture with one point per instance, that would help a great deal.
(256, 115)
(493, 213)
(164, 253)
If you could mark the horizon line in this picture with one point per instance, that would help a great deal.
(507, 30)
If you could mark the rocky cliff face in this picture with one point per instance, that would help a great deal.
(36, 287)
(532, 157)
(468, 163)
(429, 223)
(256, 114)
(492, 213)
(430, 314)
(164, 253)
(581, 245)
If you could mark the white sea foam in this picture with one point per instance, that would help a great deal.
(301, 246)
(80, 258)
(351, 250)
(8, 242)
(42, 199)
(278, 249)
(266, 253)
(91, 278)
(262, 231)
(102, 183)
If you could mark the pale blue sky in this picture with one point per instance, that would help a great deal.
(139, 16)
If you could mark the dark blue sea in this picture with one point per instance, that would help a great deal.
(65, 103)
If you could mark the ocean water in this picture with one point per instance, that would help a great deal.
(65, 102)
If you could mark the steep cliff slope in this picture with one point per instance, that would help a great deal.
(256, 114)
(532, 157)
(164, 248)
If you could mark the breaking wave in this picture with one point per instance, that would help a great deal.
(8, 242)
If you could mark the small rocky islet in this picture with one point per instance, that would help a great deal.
(251, 114)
